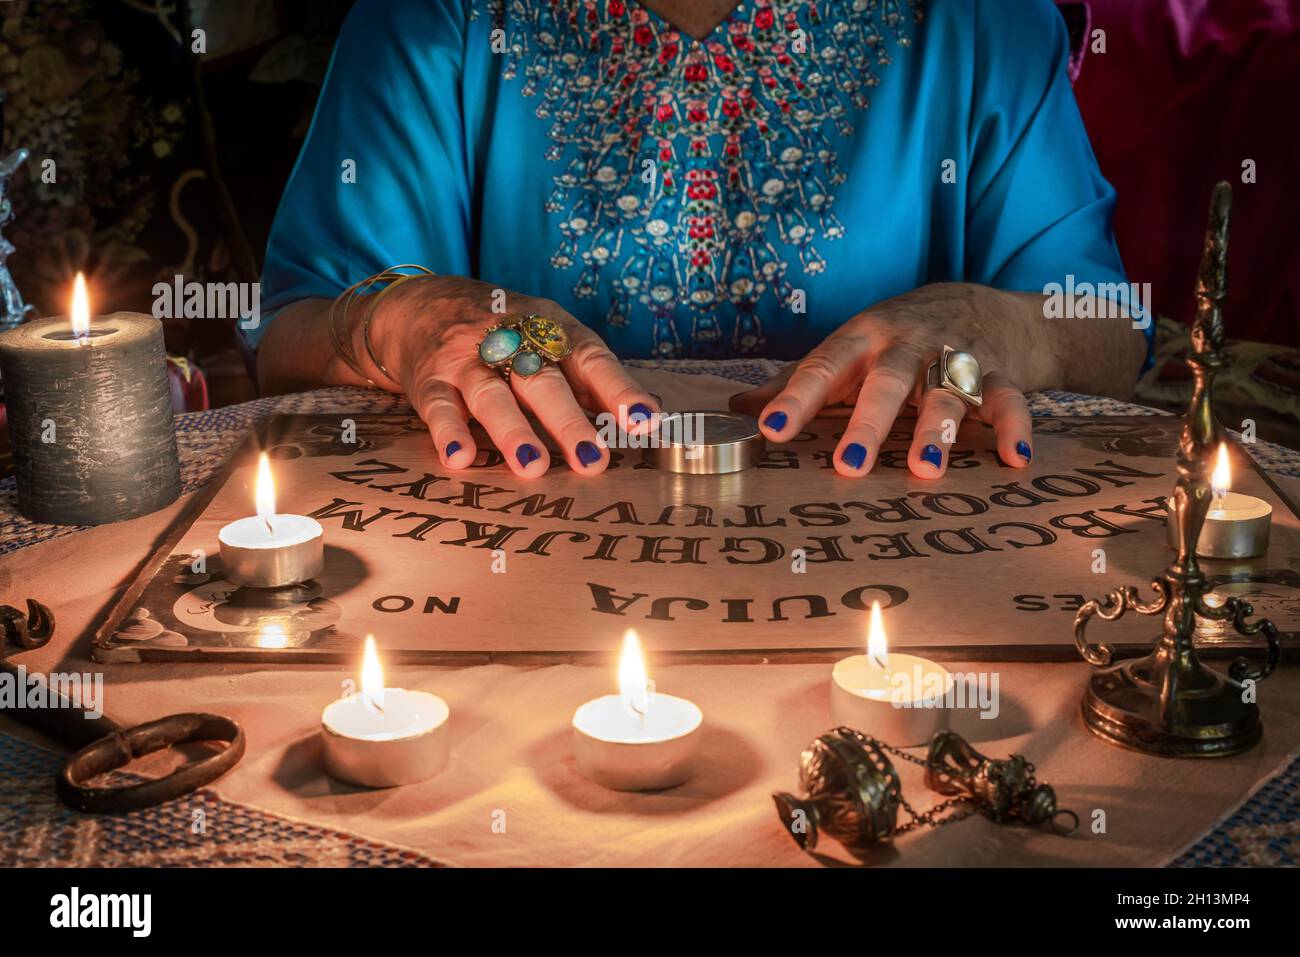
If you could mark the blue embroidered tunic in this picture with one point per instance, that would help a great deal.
(743, 194)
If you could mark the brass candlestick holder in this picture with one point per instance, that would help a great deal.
(1168, 703)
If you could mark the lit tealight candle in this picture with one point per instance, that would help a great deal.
(384, 737)
(1236, 525)
(90, 415)
(268, 550)
(636, 740)
(900, 699)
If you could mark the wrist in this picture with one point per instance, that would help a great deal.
(377, 330)
(1035, 350)
(1047, 350)
(382, 323)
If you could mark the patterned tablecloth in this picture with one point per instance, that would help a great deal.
(36, 830)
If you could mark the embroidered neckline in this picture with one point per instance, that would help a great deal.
(696, 168)
(664, 25)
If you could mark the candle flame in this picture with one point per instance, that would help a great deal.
(877, 644)
(636, 690)
(1221, 480)
(272, 635)
(80, 308)
(265, 492)
(372, 676)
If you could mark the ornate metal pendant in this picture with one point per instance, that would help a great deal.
(854, 794)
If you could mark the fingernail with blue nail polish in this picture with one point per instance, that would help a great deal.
(1023, 450)
(932, 454)
(588, 453)
(776, 421)
(526, 454)
(853, 455)
(638, 413)
(452, 448)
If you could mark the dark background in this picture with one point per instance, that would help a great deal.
(167, 162)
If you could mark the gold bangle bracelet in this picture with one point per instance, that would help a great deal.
(342, 338)
(355, 293)
(342, 341)
(343, 344)
(374, 304)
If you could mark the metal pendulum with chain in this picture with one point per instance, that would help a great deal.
(854, 794)
(931, 817)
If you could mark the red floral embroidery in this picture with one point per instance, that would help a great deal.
(746, 119)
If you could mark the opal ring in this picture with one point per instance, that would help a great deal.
(523, 345)
(957, 372)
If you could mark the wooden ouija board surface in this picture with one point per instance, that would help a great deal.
(780, 562)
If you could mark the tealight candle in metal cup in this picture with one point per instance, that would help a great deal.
(1236, 525)
(896, 697)
(637, 740)
(270, 550)
(385, 737)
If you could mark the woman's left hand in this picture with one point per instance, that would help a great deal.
(880, 357)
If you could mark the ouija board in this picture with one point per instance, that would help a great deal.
(780, 562)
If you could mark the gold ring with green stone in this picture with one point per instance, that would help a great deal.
(523, 345)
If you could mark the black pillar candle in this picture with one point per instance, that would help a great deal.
(90, 419)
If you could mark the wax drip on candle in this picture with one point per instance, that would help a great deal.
(1221, 479)
(372, 677)
(265, 493)
(80, 315)
(636, 690)
(877, 646)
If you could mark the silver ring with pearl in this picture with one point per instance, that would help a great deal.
(956, 372)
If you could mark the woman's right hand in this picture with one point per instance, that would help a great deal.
(427, 330)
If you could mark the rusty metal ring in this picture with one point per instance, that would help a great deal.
(118, 749)
(28, 631)
(40, 624)
(1063, 831)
